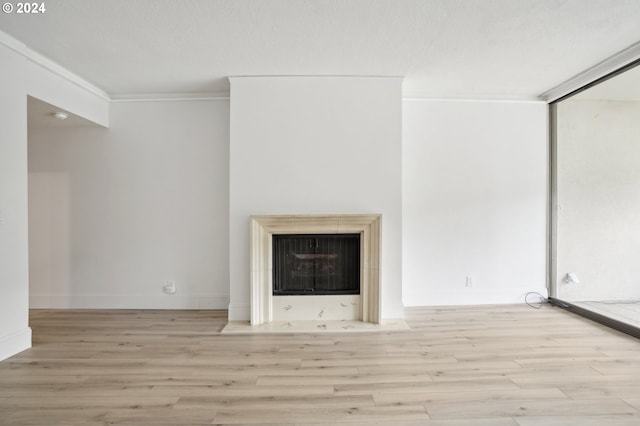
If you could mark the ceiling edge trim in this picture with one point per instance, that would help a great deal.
(230, 77)
(599, 70)
(414, 98)
(170, 97)
(46, 63)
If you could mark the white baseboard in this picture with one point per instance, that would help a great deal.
(471, 296)
(14, 343)
(96, 301)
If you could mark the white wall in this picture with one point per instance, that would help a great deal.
(21, 76)
(305, 145)
(599, 195)
(474, 201)
(116, 213)
(15, 334)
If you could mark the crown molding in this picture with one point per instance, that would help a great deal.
(314, 76)
(599, 70)
(409, 97)
(170, 97)
(46, 63)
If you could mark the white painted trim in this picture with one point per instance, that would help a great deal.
(473, 296)
(477, 100)
(262, 229)
(14, 343)
(169, 97)
(314, 76)
(46, 63)
(590, 75)
(97, 301)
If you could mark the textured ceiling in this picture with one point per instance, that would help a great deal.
(505, 49)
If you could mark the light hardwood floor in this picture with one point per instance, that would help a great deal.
(486, 366)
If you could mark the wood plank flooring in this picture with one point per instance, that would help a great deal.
(481, 366)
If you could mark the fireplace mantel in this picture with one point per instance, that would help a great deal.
(264, 227)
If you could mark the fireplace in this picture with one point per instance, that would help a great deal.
(316, 264)
(355, 296)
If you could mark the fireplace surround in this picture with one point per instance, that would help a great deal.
(264, 227)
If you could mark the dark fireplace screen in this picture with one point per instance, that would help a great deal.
(321, 264)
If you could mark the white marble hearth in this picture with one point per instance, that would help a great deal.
(280, 327)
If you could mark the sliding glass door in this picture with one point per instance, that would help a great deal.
(595, 209)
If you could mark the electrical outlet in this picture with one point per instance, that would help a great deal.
(469, 282)
(170, 287)
(571, 278)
